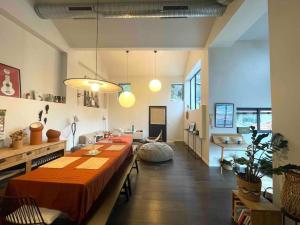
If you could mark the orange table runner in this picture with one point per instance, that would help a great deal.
(70, 189)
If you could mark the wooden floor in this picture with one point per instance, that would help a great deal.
(181, 192)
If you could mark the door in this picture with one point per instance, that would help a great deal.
(158, 121)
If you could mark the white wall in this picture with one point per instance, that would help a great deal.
(138, 115)
(198, 60)
(240, 75)
(41, 65)
(284, 35)
(37, 50)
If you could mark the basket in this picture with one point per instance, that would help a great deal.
(290, 195)
(250, 191)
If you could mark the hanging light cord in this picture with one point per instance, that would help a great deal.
(97, 18)
(127, 65)
(154, 74)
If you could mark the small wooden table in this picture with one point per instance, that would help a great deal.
(230, 146)
(261, 213)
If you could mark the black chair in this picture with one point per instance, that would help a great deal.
(24, 210)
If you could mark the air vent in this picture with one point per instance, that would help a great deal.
(175, 7)
(80, 8)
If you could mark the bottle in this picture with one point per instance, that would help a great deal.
(132, 128)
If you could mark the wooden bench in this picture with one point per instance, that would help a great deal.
(119, 184)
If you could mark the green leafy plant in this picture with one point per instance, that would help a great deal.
(258, 160)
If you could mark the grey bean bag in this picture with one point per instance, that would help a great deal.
(155, 152)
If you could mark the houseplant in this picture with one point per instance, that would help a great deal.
(17, 139)
(258, 163)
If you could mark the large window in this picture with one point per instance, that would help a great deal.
(195, 91)
(260, 118)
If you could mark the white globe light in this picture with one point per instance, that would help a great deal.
(95, 87)
(126, 99)
(155, 85)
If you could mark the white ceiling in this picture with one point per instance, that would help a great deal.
(259, 31)
(141, 62)
(134, 33)
(137, 33)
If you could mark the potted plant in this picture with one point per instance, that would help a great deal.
(17, 139)
(256, 164)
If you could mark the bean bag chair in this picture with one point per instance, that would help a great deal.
(155, 152)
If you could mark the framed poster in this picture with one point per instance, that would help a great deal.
(177, 92)
(224, 115)
(10, 83)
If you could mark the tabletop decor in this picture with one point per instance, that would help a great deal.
(36, 135)
(10, 82)
(17, 139)
(53, 135)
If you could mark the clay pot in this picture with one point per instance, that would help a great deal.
(250, 191)
(17, 144)
(53, 135)
(36, 133)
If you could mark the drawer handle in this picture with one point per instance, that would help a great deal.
(28, 153)
(2, 160)
(48, 148)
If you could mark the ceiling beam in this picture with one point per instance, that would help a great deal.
(249, 12)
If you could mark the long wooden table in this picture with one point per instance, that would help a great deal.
(70, 189)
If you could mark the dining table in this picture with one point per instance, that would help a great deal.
(74, 182)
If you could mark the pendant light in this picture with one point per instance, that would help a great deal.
(127, 98)
(155, 84)
(96, 84)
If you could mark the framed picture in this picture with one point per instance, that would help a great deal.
(91, 99)
(224, 115)
(10, 83)
(177, 92)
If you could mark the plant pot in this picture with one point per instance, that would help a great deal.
(36, 135)
(17, 144)
(53, 135)
(248, 190)
(290, 194)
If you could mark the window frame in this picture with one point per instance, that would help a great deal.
(195, 89)
(258, 115)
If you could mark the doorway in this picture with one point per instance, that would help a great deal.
(158, 121)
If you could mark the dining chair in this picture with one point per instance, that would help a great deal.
(24, 210)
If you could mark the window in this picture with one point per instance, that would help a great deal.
(260, 118)
(177, 91)
(126, 87)
(195, 91)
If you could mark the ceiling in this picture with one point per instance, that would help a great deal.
(259, 31)
(134, 33)
(141, 62)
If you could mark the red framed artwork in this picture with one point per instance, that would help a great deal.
(10, 82)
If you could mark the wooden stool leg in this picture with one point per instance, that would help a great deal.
(129, 184)
(136, 166)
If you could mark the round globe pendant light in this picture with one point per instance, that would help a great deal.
(127, 98)
(95, 84)
(155, 84)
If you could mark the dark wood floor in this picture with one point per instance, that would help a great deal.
(181, 192)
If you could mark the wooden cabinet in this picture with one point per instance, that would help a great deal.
(261, 213)
(30, 155)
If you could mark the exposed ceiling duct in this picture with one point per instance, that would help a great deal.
(154, 9)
